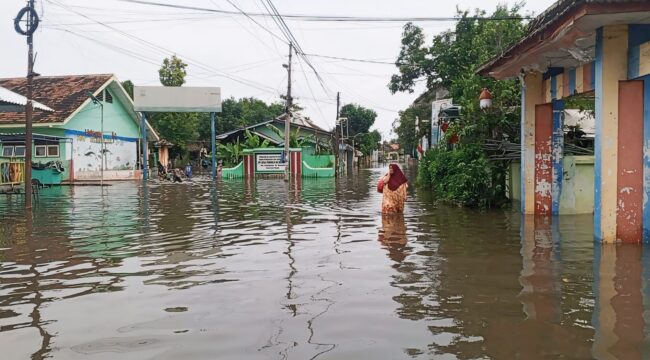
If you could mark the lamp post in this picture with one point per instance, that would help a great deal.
(97, 102)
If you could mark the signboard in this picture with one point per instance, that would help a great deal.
(644, 59)
(176, 99)
(269, 163)
(436, 106)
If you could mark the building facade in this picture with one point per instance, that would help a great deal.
(76, 121)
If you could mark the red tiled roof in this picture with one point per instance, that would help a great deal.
(64, 94)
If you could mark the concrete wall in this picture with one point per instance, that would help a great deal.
(577, 194)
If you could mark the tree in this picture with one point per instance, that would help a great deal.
(360, 119)
(128, 86)
(172, 72)
(451, 62)
(236, 114)
(179, 128)
(404, 127)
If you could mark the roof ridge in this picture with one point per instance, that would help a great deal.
(58, 76)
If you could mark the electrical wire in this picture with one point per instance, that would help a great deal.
(331, 18)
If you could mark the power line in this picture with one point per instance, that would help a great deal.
(363, 60)
(165, 51)
(255, 21)
(331, 18)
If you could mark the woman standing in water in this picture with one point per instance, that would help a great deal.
(394, 190)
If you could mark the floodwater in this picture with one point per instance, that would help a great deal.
(310, 270)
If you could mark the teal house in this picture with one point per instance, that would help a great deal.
(70, 129)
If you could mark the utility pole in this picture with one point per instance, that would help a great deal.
(336, 135)
(31, 19)
(287, 121)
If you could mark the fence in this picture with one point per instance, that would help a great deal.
(12, 171)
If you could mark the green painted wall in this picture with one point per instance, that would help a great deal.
(577, 195)
(116, 119)
(578, 188)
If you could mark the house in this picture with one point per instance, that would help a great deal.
(315, 138)
(598, 49)
(68, 126)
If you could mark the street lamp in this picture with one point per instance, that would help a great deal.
(97, 102)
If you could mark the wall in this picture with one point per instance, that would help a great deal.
(121, 150)
(577, 196)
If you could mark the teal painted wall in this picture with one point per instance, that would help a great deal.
(116, 119)
(577, 195)
(121, 155)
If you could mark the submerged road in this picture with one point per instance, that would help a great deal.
(263, 270)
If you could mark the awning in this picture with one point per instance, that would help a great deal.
(11, 101)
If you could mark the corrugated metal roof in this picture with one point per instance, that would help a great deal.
(10, 97)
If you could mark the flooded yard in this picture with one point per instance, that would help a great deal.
(310, 270)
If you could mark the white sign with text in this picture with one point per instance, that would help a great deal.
(269, 163)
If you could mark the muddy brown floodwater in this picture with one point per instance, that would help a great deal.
(263, 270)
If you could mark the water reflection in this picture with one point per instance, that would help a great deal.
(308, 269)
(392, 236)
(619, 312)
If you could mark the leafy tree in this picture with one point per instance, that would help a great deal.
(359, 118)
(368, 142)
(172, 72)
(128, 86)
(237, 114)
(179, 128)
(404, 127)
(450, 62)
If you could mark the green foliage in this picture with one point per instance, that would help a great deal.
(462, 174)
(295, 140)
(368, 142)
(359, 118)
(253, 141)
(179, 128)
(405, 127)
(230, 153)
(241, 113)
(464, 177)
(172, 72)
(128, 86)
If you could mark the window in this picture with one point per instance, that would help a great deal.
(8, 151)
(41, 151)
(53, 150)
(19, 150)
(108, 97)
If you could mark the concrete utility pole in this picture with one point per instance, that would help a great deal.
(287, 121)
(336, 136)
(31, 19)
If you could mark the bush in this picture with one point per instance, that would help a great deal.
(463, 176)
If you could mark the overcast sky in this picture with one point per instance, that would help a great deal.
(232, 52)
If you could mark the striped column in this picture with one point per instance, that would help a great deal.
(646, 159)
(531, 96)
(629, 211)
(557, 154)
(249, 166)
(610, 68)
(295, 163)
(543, 159)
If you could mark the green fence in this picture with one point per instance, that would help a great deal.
(311, 172)
(233, 173)
(319, 161)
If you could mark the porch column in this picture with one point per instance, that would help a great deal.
(531, 96)
(610, 68)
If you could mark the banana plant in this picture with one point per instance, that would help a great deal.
(253, 141)
(231, 152)
(294, 140)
